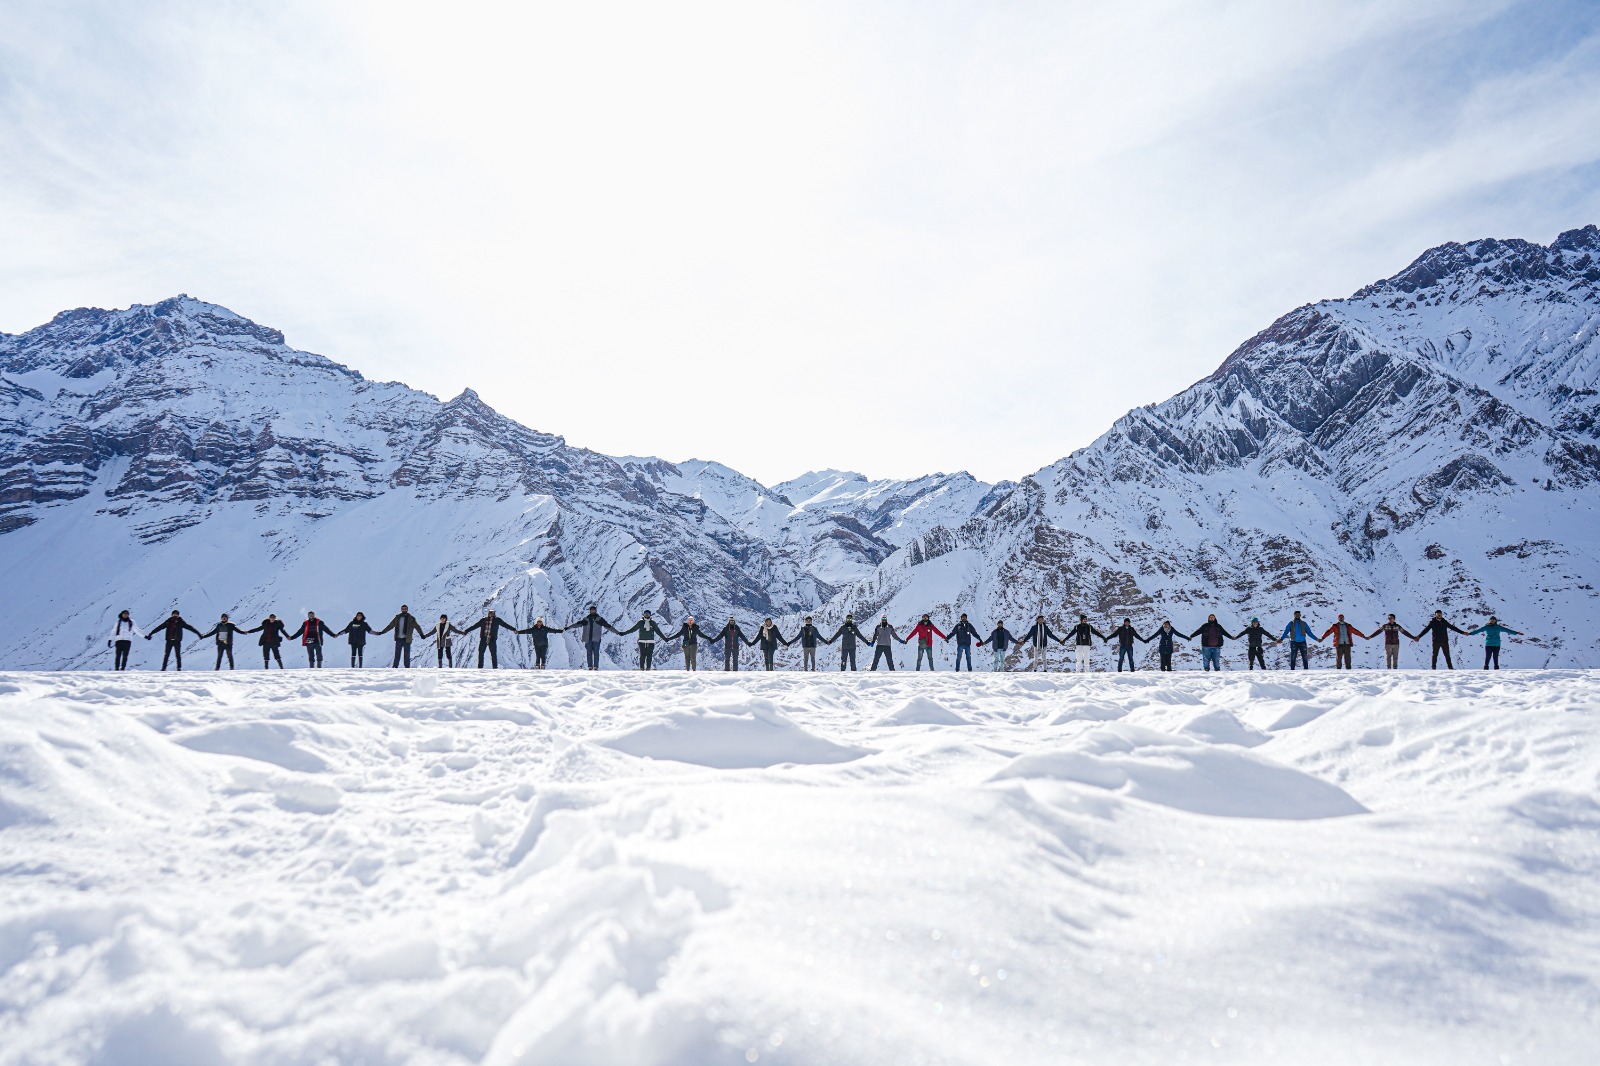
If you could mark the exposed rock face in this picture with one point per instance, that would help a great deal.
(1432, 440)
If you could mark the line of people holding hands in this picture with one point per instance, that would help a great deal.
(591, 628)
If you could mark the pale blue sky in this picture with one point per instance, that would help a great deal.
(895, 237)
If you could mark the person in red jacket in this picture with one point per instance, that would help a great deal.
(925, 631)
(1344, 638)
(310, 635)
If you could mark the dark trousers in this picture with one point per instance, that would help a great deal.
(767, 654)
(1341, 656)
(1258, 655)
(540, 652)
(1442, 647)
(402, 650)
(964, 649)
(1124, 651)
(591, 655)
(121, 658)
(446, 655)
(1298, 647)
(1491, 653)
(924, 649)
(355, 653)
(647, 655)
(314, 655)
(174, 650)
(847, 654)
(1166, 661)
(494, 655)
(224, 649)
(730, 654)
(269, 652)
(691, 653)
(882, 651)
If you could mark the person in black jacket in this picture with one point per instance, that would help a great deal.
(1126, 635)
(1441, 630)
(541, 640)
(591, 629)
(272, 632)
(223, 631)
(1164, 638)
(769, 638)
(1037, 638)
(489, 628)
(964, 634)
(808, 637)
(847, 635)
(1211, 636)
(1255, 634)
(1082, 636)
(357, 630)
(406, 627)
(733, 639)
(1000, 639)
(173, 627)
(310, 634)
(649, 633)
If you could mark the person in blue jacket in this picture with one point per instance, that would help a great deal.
(1297, 633)
(1492, 631)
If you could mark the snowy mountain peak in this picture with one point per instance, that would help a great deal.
(1574, 256)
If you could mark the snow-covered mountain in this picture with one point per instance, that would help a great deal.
(1434, 439)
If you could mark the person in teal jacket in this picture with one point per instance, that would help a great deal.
(1297, 633)
(1491, 630)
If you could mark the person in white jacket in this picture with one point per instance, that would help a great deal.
(121, 639)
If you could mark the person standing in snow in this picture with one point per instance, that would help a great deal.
(357, 631)
(964, 634)
(272, 632)
(489, 627)
(1001, 639)
(406, 627)
(769, 638)
(1037, 639)
(883, 638)
(1165, 638)
(925, 631)
(1255, 635)
(223, 631)
(310, 635)
(1392, 632)
(1492, 630)
(1344, 635)
(1440, 630)
(1126, 635)
(443, 645)
(808, 637)
(649, 633)
(541, 640)
(591, 628)
(173, 628)
(121, 640)
(1298, 633)
(1211, 636)
(847, 636)
(1083, 635)
(732, 638)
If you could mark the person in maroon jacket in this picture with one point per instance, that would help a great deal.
(1392, 632)
(1344, 638)
(310, 635)
(173, 627)
(925, 631)
(1211, 636)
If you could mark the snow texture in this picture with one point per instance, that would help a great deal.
(686, 869)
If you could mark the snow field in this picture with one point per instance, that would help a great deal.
(570, 868)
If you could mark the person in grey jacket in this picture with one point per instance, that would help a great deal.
(649, 633)
(591, 628)
(883, 639)
(443, 646)
(406, 627)
(120, 640)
